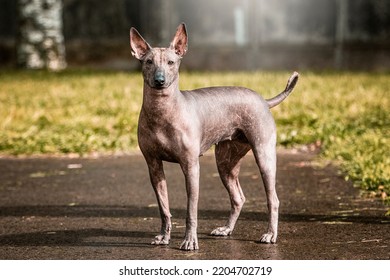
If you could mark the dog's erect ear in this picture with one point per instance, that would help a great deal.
(139, 47)
(180, 41)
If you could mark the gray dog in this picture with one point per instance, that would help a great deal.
(179, 126)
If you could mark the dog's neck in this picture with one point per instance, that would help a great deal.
(161, 102)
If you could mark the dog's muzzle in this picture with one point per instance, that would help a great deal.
(159, 78)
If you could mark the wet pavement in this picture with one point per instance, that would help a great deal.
(104, 208)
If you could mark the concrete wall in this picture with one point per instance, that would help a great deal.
(226, 34)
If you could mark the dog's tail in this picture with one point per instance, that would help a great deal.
(292, 81)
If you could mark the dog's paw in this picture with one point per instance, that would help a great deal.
(161, 240)
(222, 231)
(268, 238)
(190, 244)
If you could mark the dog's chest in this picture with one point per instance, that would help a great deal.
(165, 140)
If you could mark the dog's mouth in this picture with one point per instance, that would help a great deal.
(158, 89)
(159, 86)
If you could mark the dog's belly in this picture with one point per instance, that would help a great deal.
(228, 135)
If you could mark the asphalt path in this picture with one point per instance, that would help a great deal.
(105, 208)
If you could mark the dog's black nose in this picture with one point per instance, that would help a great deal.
(159, 78)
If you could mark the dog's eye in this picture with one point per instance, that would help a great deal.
(149, 61)
(170, 62)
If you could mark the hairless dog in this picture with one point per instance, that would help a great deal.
(179, 126)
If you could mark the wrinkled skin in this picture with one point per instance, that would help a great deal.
(179, 126)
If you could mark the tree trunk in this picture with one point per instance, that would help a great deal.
(40, 38)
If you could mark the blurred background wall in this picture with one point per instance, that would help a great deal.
(223, 34)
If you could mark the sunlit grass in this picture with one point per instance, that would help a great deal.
(75, 112)
(83, 112)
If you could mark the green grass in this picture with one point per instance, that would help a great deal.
(71, 112)
(87, 111)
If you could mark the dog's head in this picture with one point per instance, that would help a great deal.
(160, 66)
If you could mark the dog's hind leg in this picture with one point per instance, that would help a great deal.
(265, 155)
(229, 155)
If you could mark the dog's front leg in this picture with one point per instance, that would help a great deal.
(157, 178)
(191, 174)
